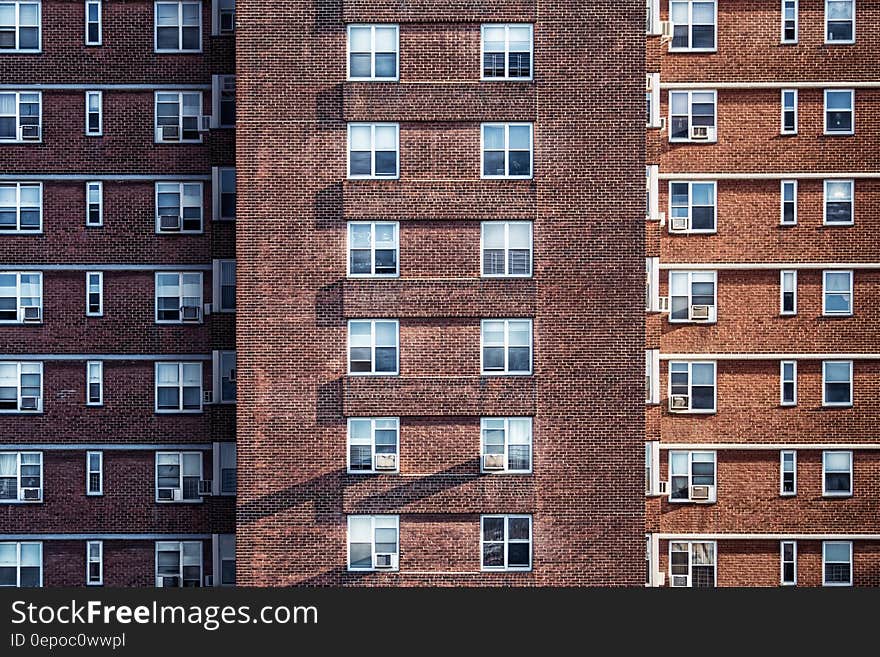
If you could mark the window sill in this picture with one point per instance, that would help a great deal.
(684, 51)
(394, 79)
(503, 473)
(193, 412)
(21, 141)
(351, 177)
(372, 472)
(485, 177)
(837, 224)
(838, 134)
(836, 495)
(693, 141)
(529, 79)
(194, 51)
(373, 374)
(837, 405)
(199, 501)
(39, 412)
(483, 373)
(39, 501)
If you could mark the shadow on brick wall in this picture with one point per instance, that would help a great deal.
(328, 207)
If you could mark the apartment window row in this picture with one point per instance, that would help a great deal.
(506, 149)
(838, 113)
(837, 563)
(505, 346)
(505, 542)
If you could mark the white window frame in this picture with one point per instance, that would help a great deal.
(99, 472)
(652, 376)
(180, 275)
(157, 132)
(785, 108)
(218, 467)
(850, 471)
(507, 150)
(18, 208)
(19, 365)
(87, 22)
(180, 388)
(373, 347)
(793, 562)
(506, 429)
(180, 549)
(690, 229)
(652, 285)
(18, 124)
(217, 13)
(507, 77)
(180, 187)
(652, 96)
(690, 24)
(217, 281)
(219, 85)
(100, 112)
(652, 467)
(652, 204)
(782, 455)
(690, 575)
(198, 499)
(851, 562)
(18, 296)
(852, 111)
(372, 444)
(825, 293)
(19, 488)
(825, 402)
(713, 308)
(99, 187)
(219, 556)
(690, 365)
(18, 49)
(372, 27)
(690, 103)
(507, 225)
(652, 19)
(217, 192)
(713, 497)
(372, 225)
(218, 361)
(18, 565)
(851, 201)
(100, 283)
(99, 560)
(782, 381)
(506, 346)
(180, 26)
(794, 187)
(782, 38)
(783, 275)
(389, 518)
(373, 175)
(841, 41)
(506, 542)
(94, 370)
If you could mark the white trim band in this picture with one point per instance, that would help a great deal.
(108, 447)
(106, 177)
(104, 537)
(770, 356)
(803, 175)
(805, 84)
(768, 537)
(105, 267)
(771, 446)
(76, 357)
(83, 86)
(773, 266)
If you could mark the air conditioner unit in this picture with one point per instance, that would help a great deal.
(493, 461)
(209, 580)
(386, 461)
(206, 487)
(662, 488)
(663, 304)
(204, 123)
(169, 222)
(30, 495)
(32, 313)
(667, 29)
(649, 83)
(208, 397)
(679, 580)
(700, 493)
(679, 403)
(168, 582)
(678, 224)
(169, 133)
(170, 494)
(30, 403)
(190, 313)
(700, 312)
(702, 133)
(30, 133)
(384, 560)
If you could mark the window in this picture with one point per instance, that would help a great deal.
(19, 26)
(94, 383)
(837, 293)
(837, 473)
(839, 202)
(692, 207)
(93, 22)
(506, 248)
(178, 116)
(507, 52)
(788, 215)
(224, 570)
(694, 25)
(372, 52)
(788, 563)
(692, 476)
(692, 296)
(178, 387)
(506, 346)
(178, 563)
(225, 373)
(789, 112)
(373, 150)
(94, 203)
(21, 206)
(94, 123)
(652, 20)
(223, 186)
(21, 387)
(692, 116)
(225, 468)
(179, 207)
(839, 112)
(692, 564)
(788, 383)
(652, 100)
(94, 473)
(788, 292)
(94, 294)
(372, 346)
(788, 473)
(373, 444)
(178, 297)
(222, 17)
(20, 116)
(373, 249)
(224, 286)
(652, 284)
(21, 477)
(692, 386)
(837, 382)
(21, 564)
(373, 542)
(506, 542)
(789, 21)
(840, 21)
(649, 467)
(177, 476)
(507, 150)
(223, 97)
(94, 563)
(837, 560)
(21, 297)
(507, 444)
(649, 560)
(178, 27)
(652, 373)
(652, 204)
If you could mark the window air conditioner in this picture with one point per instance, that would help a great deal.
(204, 123)
(384, 560)
(30, 495)
(679, 403)
(493, 461)
(209, 580)
(32, 313)
(206, 487)
(168, 582)
(649, 83)
(663, 304)
(170, 494)
(679, 580)
(190, 313)
(169, 133)
(29, 403)
(678, 224)
(667, 29)
(169, 222)
(700, 312)
(208, 397)
(700, 493)
(702, 133)
(30, 133)
(386, 461)
(662, 488)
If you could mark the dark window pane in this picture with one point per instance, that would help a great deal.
(680, 36)
(190, 38)
(837, 573)
(386, 65)
(360, 65)
(838, 211)
(386, 261)
(493, 358)
(840, 31)
(839, 121)
(493, 555)
(520, 64)
(703, 397)
(837, 393)
(680, 127)
(168, 397)
(520, 163)
(704, 36)
(227, 205)
(493, 163)
(7, 576)
(386, 163)
(518, 359)
(493, 261)
(837, 482)
(360, 262)
(166, 38)
(788, 213)
(93, 32)
(493, 65)
(361, 555)
(386, 359)
(361, 163)
(518, 555)
(191, 398)
(703, 218)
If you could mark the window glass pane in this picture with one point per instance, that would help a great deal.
(493, 529)
(386, 138)
(703, 374)
(360, 39)
(520, 137)
(837, 461)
